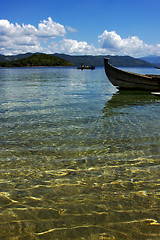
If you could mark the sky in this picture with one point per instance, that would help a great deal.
(85, 27)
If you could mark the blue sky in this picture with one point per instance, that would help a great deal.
(117, 27)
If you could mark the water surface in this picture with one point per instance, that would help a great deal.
(78, 159)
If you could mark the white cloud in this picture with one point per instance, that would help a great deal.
(50, 37)
(71, 29)
(50, 29)
(74, 47)
(15, 38)
(133, 46)
(109, 40)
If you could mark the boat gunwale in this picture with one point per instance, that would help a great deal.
(124, 71)
(129, 80)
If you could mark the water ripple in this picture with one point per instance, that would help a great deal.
(78, 159)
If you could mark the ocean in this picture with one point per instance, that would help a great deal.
(78, 158)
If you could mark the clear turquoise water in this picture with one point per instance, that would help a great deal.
(78, 159)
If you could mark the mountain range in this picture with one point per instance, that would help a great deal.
(153, 59)
(98, 61)
(88, 60)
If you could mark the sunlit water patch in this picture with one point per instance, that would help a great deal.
(79, 160)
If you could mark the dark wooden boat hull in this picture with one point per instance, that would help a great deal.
(128, 80)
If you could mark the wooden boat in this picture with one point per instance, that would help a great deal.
(86, 67)
(128, 80)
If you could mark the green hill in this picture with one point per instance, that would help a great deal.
(37, 60)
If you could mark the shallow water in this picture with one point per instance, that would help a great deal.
(79, 160)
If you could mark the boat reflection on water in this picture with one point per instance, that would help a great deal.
(125, 99)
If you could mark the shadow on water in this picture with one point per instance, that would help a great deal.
(125, 99)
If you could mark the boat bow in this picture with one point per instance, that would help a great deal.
(128, 80)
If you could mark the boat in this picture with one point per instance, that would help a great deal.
(86, 67)
(128, 80)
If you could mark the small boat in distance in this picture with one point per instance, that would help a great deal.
(128, 80)
(86, 67)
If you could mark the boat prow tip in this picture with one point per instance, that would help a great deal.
(106, 59)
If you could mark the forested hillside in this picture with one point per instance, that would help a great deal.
(44, 60)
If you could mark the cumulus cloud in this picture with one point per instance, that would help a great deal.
(71, 46)
(50, 29)
(15, 38)
(133, 46)
(50, 37)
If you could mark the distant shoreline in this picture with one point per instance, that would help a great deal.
(49, 60)
(41, 67)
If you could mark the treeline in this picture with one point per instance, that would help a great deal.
(36, 60)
